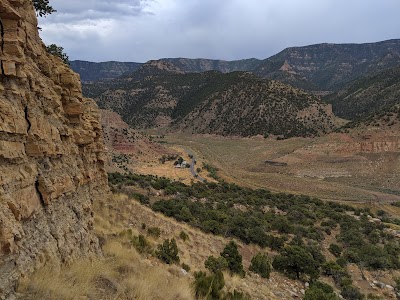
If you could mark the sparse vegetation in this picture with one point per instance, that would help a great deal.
(298, 223)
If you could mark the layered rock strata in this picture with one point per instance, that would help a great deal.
(51, 153)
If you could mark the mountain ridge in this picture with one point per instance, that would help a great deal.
(262, 106)
(317, 67)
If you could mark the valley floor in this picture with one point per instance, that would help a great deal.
(334, 167)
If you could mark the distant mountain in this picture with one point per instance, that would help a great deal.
(367, 95)
(91, 71)
(236, 103)
(320, 67)
(329, 67)
(203, 65)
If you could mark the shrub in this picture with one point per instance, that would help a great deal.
(335, 249)
(295, 261)
(260, 264)
(320, 291)
(233, 258)
(141, 244)
(154, 231)
(183, 236)
(141, 198)
(208, 287)
(350, 292)
(186, 267)
(214, 264)
(168, 252)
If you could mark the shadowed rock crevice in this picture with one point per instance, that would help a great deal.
(2, 45)
(37, 185)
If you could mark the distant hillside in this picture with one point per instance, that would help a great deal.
(387, 118)
(91, 71)
(236, 103)
(202, 65)
(329, 66)
(103, 71)
(367, 95)
(320, 67)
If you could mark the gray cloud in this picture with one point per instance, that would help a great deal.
(134, 30)
(76, 10)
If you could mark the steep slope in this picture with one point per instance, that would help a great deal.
(92, 71)
(212, 102)
(51, 154)
(329, 66)
(367, 95)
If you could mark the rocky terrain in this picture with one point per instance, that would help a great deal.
(327, 67)
(51, 154)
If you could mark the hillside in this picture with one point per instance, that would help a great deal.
(345, 248)
(367, 95)
(236, 103)
(328, 67)
(92, 71)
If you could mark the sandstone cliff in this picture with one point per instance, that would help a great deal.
(51, 153)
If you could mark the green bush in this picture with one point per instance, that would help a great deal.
(154, 232)
(141, 198)
(320, 291)
(215, 264)
(208, 286)
(260, 264)
(335, 249)
(295, 261)
(183, 236)
(168, 252)
(141, 244)
(351, 293)
(233, 258)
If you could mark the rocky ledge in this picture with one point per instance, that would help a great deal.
(51, 153)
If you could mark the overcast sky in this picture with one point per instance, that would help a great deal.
(140, 30)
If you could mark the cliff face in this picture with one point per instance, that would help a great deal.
(328, 67)
(51, 153)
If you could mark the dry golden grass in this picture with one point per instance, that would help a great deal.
(123, 273)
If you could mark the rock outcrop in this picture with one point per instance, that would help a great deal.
(51, 153)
